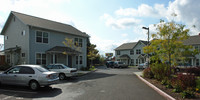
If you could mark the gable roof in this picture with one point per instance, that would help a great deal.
(192, 40)
(126, 46)
(131, 45)
(45, 24)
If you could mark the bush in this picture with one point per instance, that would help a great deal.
(147, 73)
(188, 94)
(4, 67)
(198, 85)
(194, 70)
(160, 71)
(92, 68)
(186, 81)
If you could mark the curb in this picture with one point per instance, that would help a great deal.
(168, 97)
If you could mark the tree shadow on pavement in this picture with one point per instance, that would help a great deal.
(21, 92)
(90, 76)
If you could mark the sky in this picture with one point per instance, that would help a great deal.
(109, 23)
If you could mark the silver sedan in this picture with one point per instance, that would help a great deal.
(33, 76)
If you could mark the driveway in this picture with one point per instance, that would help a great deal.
(104, 84)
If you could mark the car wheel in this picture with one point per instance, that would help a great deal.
(61, 76)
(34, 85)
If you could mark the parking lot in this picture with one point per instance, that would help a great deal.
(104, 84)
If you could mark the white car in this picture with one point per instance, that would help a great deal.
(33, 76)
(63, 70)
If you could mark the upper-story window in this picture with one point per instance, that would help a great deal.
(23, 33)
(78, 42)
(131, 52)
(118, 52)
(42, 37)
(6, 37)
(138, 51)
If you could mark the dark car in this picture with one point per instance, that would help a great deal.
(110, 64)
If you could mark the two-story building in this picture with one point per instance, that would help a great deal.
(131, 53)
(34, 40)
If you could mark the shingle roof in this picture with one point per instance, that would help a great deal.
(192, 40)
(126, 46)
(61, 49)
(48, 24)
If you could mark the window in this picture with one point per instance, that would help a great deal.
(138, 51)
(131, 52)
(26, 70)
(76, 59)
(14, 70)
(196, 47)
(136, 61)
(23, 32)
(78, 42)
(8, 58)
(42, 37)
(197, 62)
(132, 61)
(23, 55)
(118, 52)
(57, 67)
(81, 60)
(14, 19)
(40, 59)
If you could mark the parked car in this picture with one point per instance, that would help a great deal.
(63, 70)
(182, 66)
(119, 64)
(143, 65)
(33, 76)
(110, 64)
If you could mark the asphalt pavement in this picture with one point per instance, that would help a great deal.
(104, 84)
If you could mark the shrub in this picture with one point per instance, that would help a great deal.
(198, 85)
(92, 68)
(188, 94)
(160, 71)
(4, 67)
(176, 85)
(186, 81)
(193, 70)
(147, 73)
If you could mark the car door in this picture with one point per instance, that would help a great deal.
(25, 75)
(11, 76)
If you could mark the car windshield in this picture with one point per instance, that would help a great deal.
(42, 69)
(65, 67)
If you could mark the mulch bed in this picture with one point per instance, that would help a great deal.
(177, 96)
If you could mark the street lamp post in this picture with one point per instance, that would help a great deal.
(147, 28)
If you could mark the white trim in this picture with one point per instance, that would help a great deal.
(42, 37)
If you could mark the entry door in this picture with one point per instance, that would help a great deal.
(69, 61)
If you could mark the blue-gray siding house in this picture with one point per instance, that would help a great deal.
(33, 40)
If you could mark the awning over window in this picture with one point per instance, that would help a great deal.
(61, 49)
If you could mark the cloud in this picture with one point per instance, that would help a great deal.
(124, 35)
(143, 10)
(120, 23)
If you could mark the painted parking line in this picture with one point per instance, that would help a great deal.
(7, 97)
(18, 91)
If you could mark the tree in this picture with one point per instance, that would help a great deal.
(92, 53)
(167, 45)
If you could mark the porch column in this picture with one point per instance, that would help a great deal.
(78, 62)
(53, 58)
(67, 60)
(192, 62)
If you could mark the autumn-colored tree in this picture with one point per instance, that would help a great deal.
(167, 44)
(92, 53)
